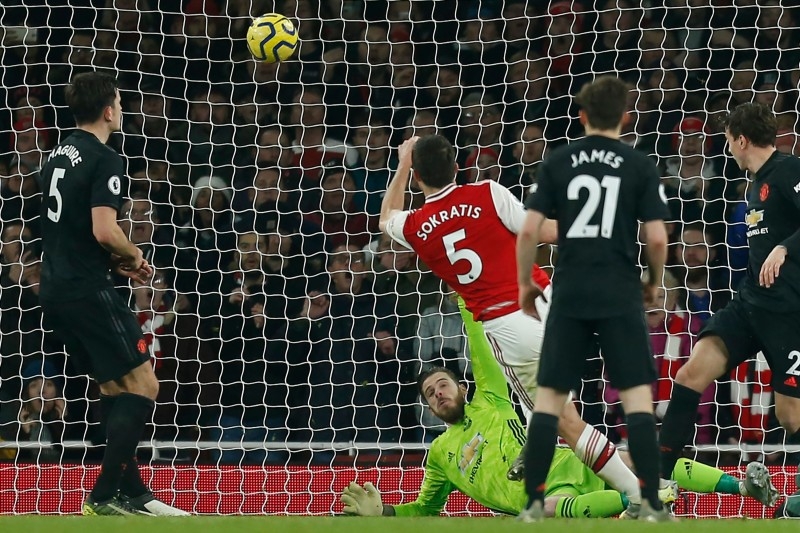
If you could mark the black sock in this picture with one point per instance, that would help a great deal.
(643, 447)
(679, 422)
(539, 449)
(124, 426)
(131, 483)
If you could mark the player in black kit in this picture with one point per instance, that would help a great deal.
(598, 189)
(764, 316)
(81, 242)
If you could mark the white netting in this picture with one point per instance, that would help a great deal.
(283, 329)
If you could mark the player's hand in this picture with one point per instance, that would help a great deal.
(140, 275)
(362, 501)
(135, 263)
(405, 149)
(772, 266)
(528, 293)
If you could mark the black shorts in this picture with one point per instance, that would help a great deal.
(746, 330)
(624, 345)
(100, 334)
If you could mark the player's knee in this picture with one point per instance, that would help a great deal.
(692, 377)
(151, 387)
(788, 415)
(143, 383)
(705, 365)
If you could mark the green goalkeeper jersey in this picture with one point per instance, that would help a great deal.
(474, 455)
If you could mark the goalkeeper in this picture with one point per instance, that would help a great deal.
(485, 436)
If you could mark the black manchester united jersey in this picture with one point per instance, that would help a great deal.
(598, 189)
(773, 218)
(80, 173)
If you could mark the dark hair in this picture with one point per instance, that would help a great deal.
(756, 122)
(434, 159)
(89, 94)
(604, 100)
(425, 374)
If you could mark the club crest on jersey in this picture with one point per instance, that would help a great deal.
(763, 194)
(470, 452)
(114, 184)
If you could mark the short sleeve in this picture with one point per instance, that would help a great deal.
(790, 186)
(543, 197)
(107, 182)
(653, 201)
(394, 228)
(508, 208)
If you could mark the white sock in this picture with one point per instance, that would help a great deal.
(600, 454)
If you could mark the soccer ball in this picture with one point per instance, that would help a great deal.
(272, 37)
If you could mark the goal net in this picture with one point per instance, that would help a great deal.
(285, 331)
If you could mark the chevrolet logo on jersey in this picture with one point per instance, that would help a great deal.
(470, 452)
(754, 217)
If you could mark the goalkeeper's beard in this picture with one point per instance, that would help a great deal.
(452, 412)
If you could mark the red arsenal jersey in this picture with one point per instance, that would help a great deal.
(467, 236)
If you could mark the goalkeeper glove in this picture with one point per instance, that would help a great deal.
(360, 501)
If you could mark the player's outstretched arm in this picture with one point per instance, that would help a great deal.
(394, 199)
(489, 378)
(433, 494)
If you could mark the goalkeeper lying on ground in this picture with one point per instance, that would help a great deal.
(485, 436)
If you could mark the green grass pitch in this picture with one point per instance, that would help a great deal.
(273, 524)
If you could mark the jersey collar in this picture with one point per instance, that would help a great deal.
(441, 193)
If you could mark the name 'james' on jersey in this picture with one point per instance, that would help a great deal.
(598, 189)
(467, 234)
(80, 173)
(772, 217)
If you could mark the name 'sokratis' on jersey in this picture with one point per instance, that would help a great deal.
(773, 218)
(466, 234)
(598, 189)
(80, 173)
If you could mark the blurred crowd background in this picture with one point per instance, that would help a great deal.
(278, 312)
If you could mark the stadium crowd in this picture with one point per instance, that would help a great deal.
(277, 311)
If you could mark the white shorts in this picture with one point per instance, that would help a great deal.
(516, 340)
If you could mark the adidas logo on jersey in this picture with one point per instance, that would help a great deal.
(791, 381)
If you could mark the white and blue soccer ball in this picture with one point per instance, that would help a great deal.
(272, 37)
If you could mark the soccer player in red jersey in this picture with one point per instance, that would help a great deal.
(466, 234)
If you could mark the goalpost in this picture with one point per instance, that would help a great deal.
(286, 334)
